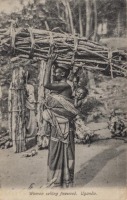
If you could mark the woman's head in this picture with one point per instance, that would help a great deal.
(61, 72)
(75, 81)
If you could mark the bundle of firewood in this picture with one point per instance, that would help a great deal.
(71, 49)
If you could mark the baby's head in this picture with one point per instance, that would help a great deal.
(81, 93)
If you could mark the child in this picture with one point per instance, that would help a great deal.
(80, 94)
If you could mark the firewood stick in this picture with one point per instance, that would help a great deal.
(3, 135)
(22, 51)
(116, 66)
(94, 68)
(94, 53)
(121, 72)
(91, 61)
(89, 44)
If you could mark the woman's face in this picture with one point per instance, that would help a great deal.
(75, 82)
(58, 74)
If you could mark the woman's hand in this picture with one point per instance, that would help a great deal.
(52, 56)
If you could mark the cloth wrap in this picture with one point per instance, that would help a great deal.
(61, 158)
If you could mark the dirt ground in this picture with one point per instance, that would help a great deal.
(102, 164)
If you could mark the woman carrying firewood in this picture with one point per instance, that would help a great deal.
(59, 113)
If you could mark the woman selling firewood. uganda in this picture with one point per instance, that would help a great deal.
(59, 112)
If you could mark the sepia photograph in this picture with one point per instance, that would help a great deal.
(63, 99)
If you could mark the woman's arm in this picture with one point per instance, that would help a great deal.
(52, 58)
(47, 78)
(57, 86)
(77, 103)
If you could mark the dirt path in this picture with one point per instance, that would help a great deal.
(102, 164)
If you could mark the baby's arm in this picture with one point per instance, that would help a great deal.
(77, 103)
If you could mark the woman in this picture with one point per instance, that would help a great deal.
(59, 114)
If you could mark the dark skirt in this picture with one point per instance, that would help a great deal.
(61, 159)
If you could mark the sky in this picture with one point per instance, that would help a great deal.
(9, 6)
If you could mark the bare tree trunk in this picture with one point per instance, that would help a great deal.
(46, 25)
(80, 21)
(70, 17)
(88, 33)
(88, 18)
(95, 19)
(58, 7)
(67, 16)
(10, 111)
(119, 23)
